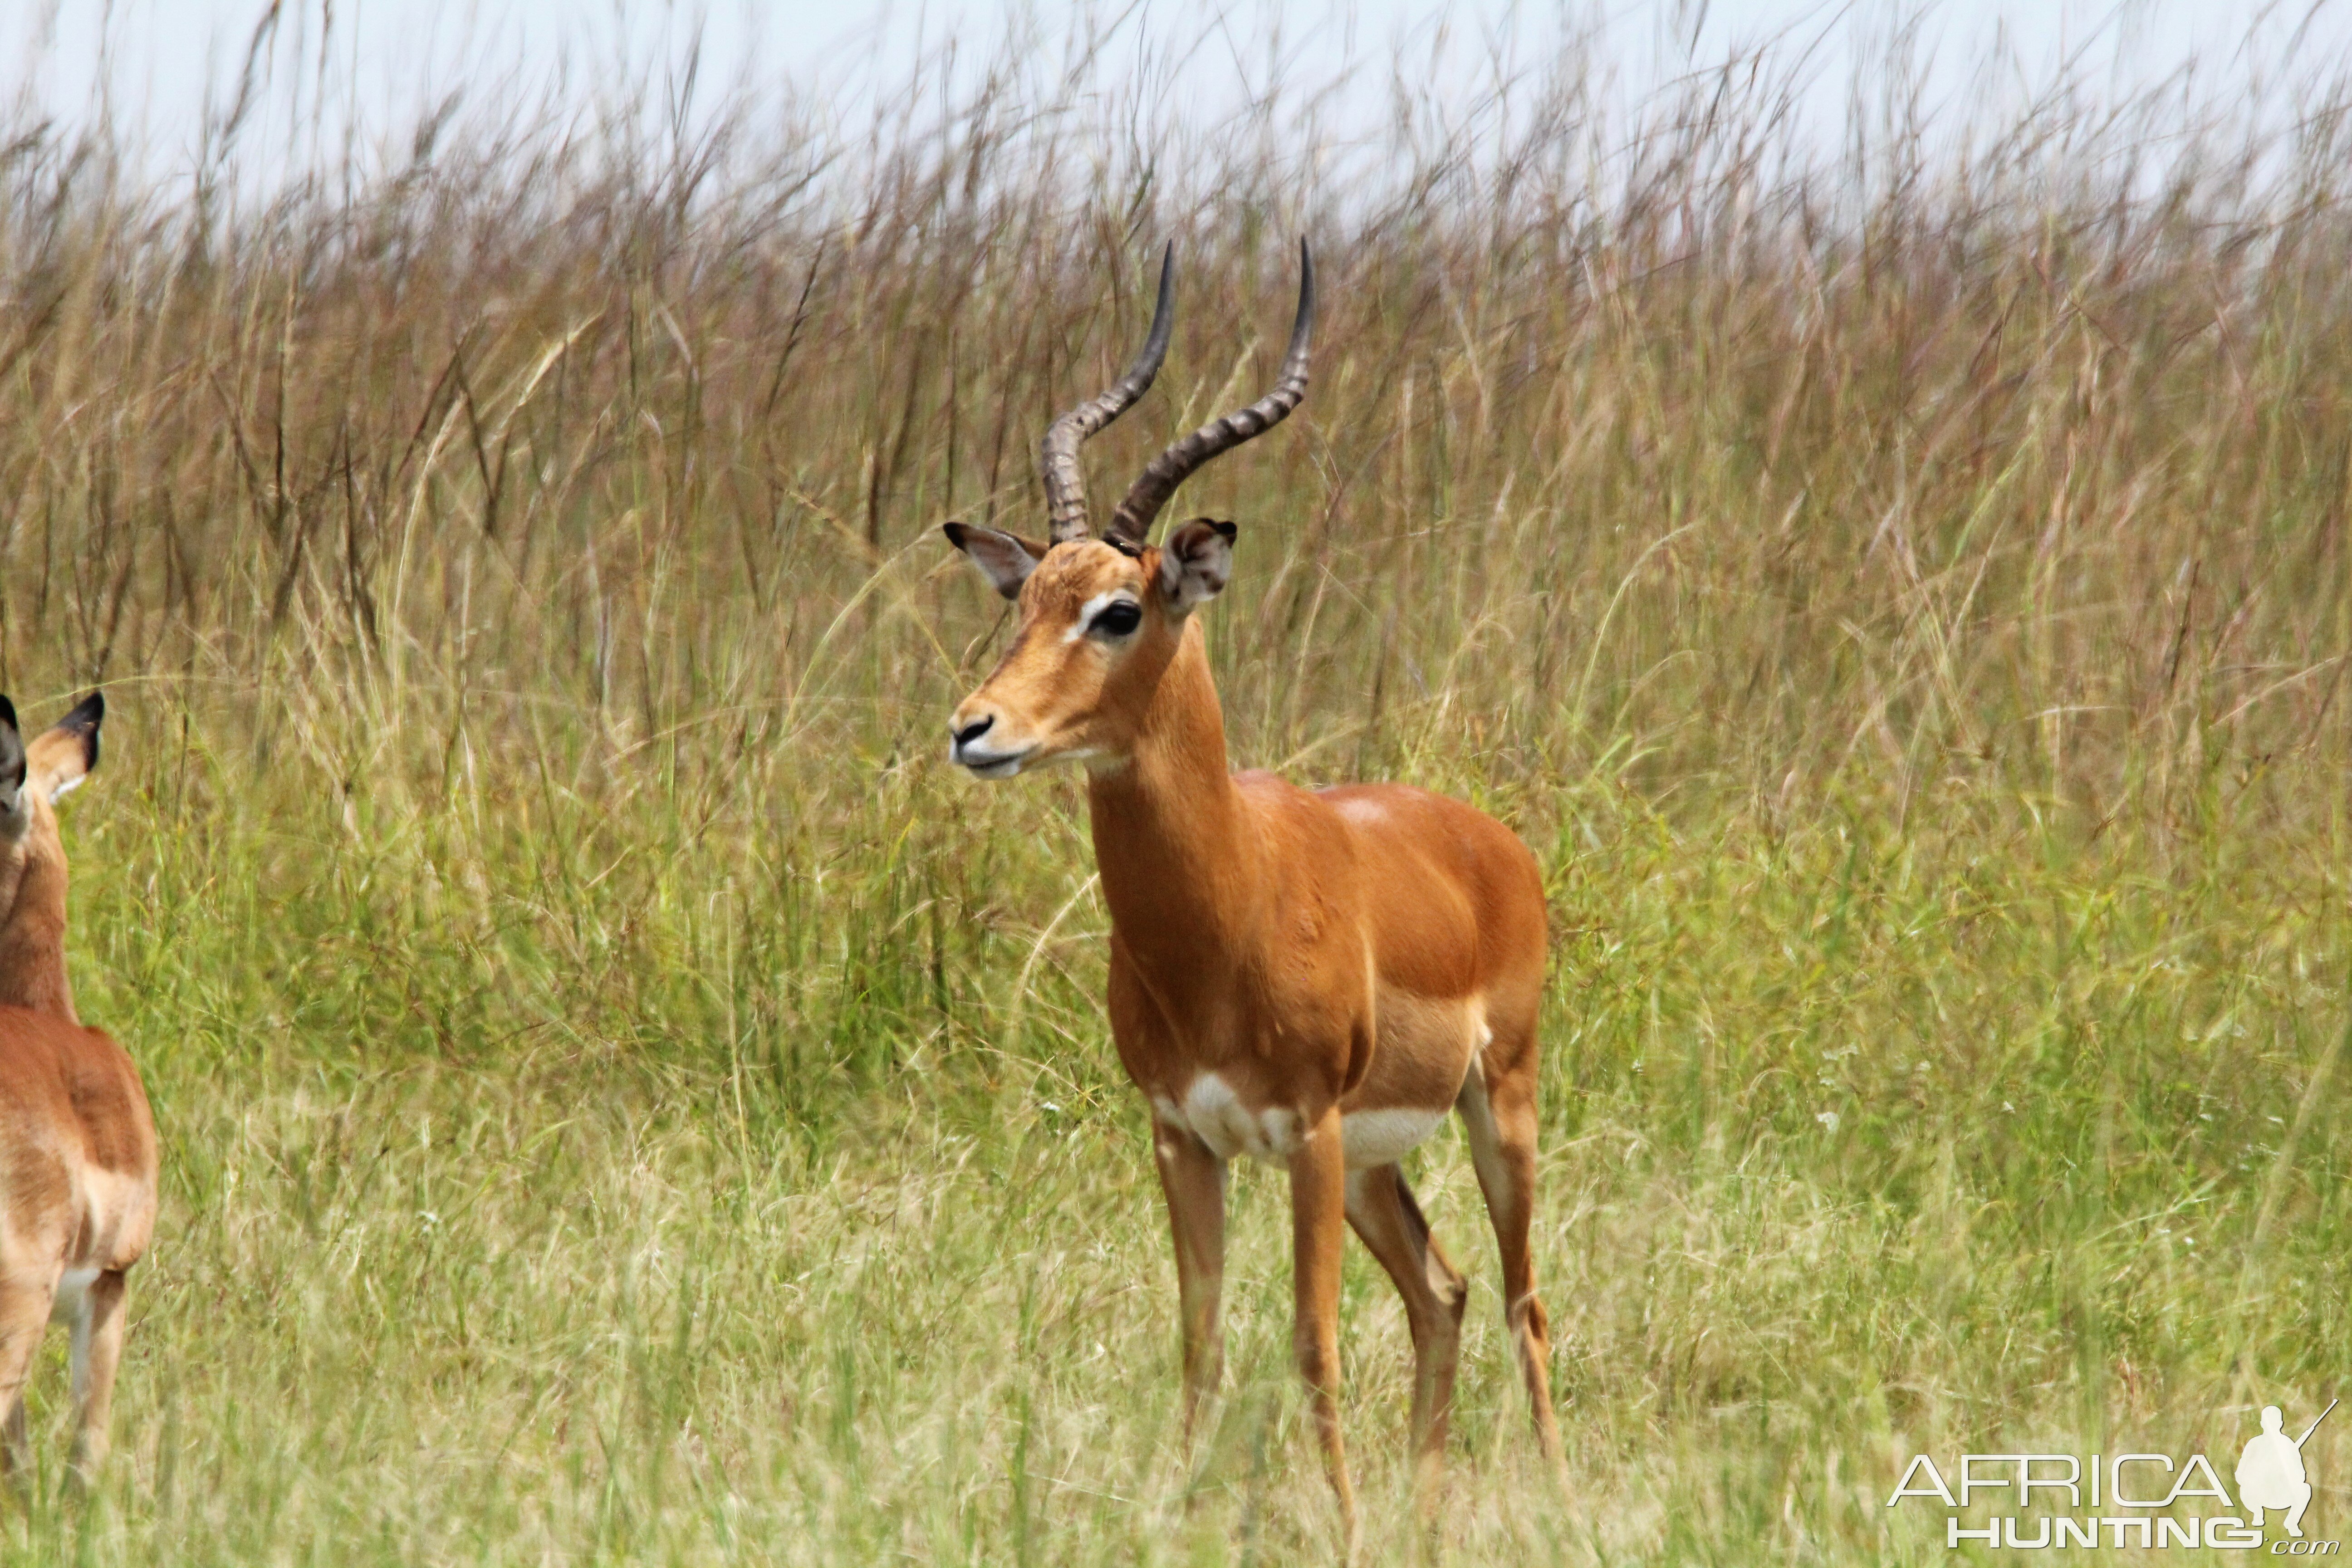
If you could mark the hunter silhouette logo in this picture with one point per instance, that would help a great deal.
(2271, 1474)
(2131, 1500)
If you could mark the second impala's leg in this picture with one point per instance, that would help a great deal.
(24, 1318)
(1498, 1112)
(96, 1351)
(1194, 1182)
(1382, 1208)
(1319, 1236)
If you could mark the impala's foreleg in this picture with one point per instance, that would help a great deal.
(24, 1318)
(1382, 1208)
(1498, 1112)
(1319, 1236)
(1194, 1182)
(96, 1351)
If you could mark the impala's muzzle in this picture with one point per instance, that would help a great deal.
(969, 733)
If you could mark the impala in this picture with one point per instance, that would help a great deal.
(1312, 978)
(77, 1141)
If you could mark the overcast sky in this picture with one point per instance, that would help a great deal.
(157, 60)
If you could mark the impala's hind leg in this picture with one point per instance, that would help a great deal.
(23, 1316)
(96, 1351)
(1382, 1210)
(1498, 1112)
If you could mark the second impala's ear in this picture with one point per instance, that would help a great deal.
(1196, 563)
(63, 755)
(15, 816)
(1004, 559)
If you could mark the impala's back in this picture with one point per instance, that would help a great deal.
(78, 1154)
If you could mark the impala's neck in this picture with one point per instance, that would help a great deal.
(32, 927)
(1179, 864)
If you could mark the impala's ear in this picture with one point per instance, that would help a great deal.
(1004, 559)
(14, 816)
(62, 755)
(1196, 563)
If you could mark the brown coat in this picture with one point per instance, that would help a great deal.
(77, 1151)
(1311, 978)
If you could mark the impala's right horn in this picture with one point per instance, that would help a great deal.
(1066, 482)
(1160, 477)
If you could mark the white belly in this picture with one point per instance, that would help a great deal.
(1382, 1137)
(1211, 1112)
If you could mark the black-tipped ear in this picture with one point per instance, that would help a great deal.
(62, 755)
(1196, 563)
(1004, 559)
(82, 723)
(12, 756)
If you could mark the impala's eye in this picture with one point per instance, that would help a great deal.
(1117, 619)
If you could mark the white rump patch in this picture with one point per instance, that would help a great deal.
(1370, 1137)
(1216, 1116)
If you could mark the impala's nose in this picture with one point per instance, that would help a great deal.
(970, 732)
(986, 762)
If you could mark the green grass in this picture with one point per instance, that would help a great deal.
(516, 1248)
(623, 1101)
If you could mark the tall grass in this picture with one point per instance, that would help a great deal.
(625, 1101)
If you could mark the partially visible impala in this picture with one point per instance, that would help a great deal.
(1309, 977)
(77, 1141)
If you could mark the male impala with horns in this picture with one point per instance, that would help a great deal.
(1312, 978)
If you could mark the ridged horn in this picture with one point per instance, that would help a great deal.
(1066, 482)
(1160, 477)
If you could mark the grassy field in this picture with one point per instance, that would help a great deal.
(625, 1100)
